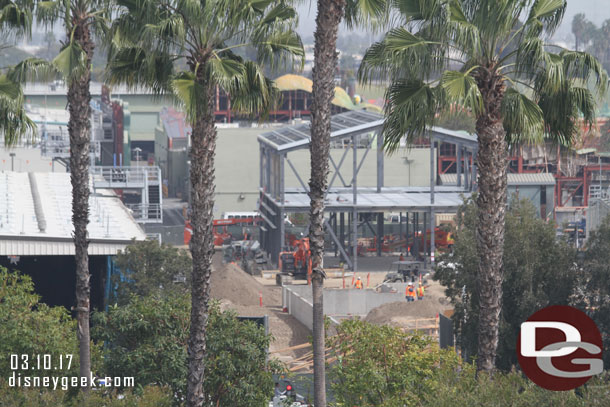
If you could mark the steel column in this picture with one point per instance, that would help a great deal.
(282, 180)
(354, 207)
(379, 233)
(459, 164)
(432, 243)
(432, 169)
(379, 161)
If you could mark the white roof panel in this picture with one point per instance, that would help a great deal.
(111, 226)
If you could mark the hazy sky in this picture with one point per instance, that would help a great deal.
(596, 10)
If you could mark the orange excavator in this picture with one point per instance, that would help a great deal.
(221, 234)
(295, 264)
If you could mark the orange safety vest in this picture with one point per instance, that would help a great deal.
(359, 284)
(410, 292)
(420, 291)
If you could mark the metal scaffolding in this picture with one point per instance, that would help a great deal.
(354, 131)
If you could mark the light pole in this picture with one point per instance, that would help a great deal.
(137, 150)
(12, 161)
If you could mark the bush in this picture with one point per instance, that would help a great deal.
(384, 366)
(29, 327)
(149, 268)
(149, 396)
(147, 339)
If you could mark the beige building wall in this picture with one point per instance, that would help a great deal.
(237, 169)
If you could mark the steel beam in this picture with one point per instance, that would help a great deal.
(338, 244)
(337, 168)
(294, 170)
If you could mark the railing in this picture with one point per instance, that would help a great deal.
(128, 175)
(147, 213)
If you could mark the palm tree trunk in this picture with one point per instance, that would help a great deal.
(330, 13)
(491, 202)
(79, 129)
(203, 139)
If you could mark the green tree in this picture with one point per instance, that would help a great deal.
(150, 39)
(523, 95)
(148, 339)
(385, 366)
(538, 271)
(30, 327)
(15, 17)
(509, 390)
(579, 26)
(594, 291)
(149, 268)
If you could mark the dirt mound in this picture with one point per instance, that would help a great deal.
(229, 282)
(395, 312)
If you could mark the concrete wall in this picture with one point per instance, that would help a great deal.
(297, 299)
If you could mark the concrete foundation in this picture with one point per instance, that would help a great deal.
(297, 299)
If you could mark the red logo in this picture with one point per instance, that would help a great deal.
(560, 348)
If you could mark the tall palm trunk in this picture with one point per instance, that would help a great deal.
(79, 129)
(330, 13)
(491, 201)
(203, 139)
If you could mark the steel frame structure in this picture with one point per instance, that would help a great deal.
(354, 129)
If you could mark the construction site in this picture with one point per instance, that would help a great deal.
(387, 217)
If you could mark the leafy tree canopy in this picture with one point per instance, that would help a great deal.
(148, 268)
(29, 327)
(538, 271)
(382, 365)
(147, 339)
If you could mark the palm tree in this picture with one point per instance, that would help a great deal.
(81, 19)
(534, 90)
(579, 23)
(15, 17)
(330, 15)
(150, 40)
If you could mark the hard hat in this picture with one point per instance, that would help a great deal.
(410, 284)
(358, 278)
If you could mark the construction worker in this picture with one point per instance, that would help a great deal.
(410, 292)
(420, 292)
(401, 258)
(358, 284)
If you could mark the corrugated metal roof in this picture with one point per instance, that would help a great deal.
(341, 125)
(512, 179)
(111, 227)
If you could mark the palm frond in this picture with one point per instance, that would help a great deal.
(461, 88)
(32, 69)
(252, 93)
(410, 110)
(372, 14)
(522, 118)
(71, 61)
(190, 93)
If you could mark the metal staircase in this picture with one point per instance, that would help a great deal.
(144, 180)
